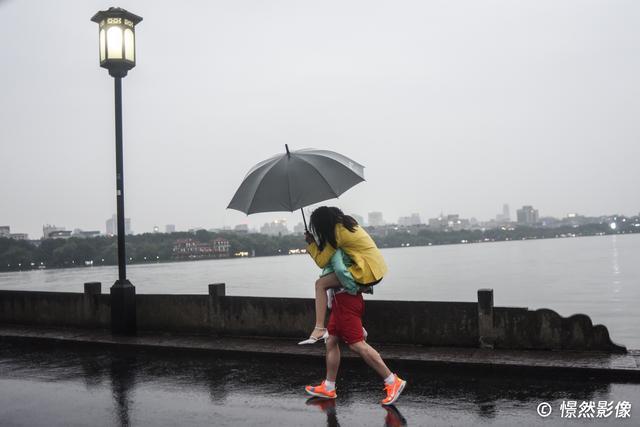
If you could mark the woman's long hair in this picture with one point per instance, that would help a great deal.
(323, 223)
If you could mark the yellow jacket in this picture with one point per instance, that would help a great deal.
(368, 264)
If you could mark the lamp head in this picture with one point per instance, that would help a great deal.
(117, 37)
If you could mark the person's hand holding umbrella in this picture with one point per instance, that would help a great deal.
(308, 237)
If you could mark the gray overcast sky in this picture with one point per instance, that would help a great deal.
(457, 106)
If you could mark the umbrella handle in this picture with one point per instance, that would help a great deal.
(304, 220)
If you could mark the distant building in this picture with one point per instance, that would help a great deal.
(275, 228)
(505, 216)
(85, 234)
(451, 222)
(575, 219)
(550, 222)
(5, 232)
(48, 229)
(52, 232)
(112, 226)
(170, 228)
(299, 228)
(241, 228)
(527, 215)
(438, 223)
(455, 223)
(59, 234)
(359, 219)
(375, 219)
(189, 248)
(221, 246)
(407, 221)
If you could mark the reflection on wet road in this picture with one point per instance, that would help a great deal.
(61, 385)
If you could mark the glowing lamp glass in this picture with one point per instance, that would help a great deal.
(114, 43)
(103, 45)
(117, 40)
(129, 45)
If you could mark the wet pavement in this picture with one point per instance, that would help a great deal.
(65, 384)
(579, 364)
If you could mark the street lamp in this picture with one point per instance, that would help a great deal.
(117, 39)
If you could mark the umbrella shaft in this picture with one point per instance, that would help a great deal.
(304, 220)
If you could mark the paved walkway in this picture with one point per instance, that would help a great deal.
(618, 367)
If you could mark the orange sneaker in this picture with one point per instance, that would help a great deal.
(321, 391)
(393, 390)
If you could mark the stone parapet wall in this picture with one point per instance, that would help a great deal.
(428, 323)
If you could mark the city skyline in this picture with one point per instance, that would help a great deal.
(524, 215)
(453, 107)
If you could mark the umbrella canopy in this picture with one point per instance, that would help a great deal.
(296, 179)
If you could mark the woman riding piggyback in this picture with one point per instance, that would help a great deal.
(335, 230)
(348, 256)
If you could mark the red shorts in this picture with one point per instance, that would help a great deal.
(346, 317)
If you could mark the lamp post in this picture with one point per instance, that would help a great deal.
(118, 55)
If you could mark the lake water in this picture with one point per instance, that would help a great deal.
(597, 276)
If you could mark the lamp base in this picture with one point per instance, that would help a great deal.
(117, 72)
(123, 308)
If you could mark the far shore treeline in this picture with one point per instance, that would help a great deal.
(159, 247)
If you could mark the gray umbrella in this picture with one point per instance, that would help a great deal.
(295, 179)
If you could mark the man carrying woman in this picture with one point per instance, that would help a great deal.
(352, 264)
